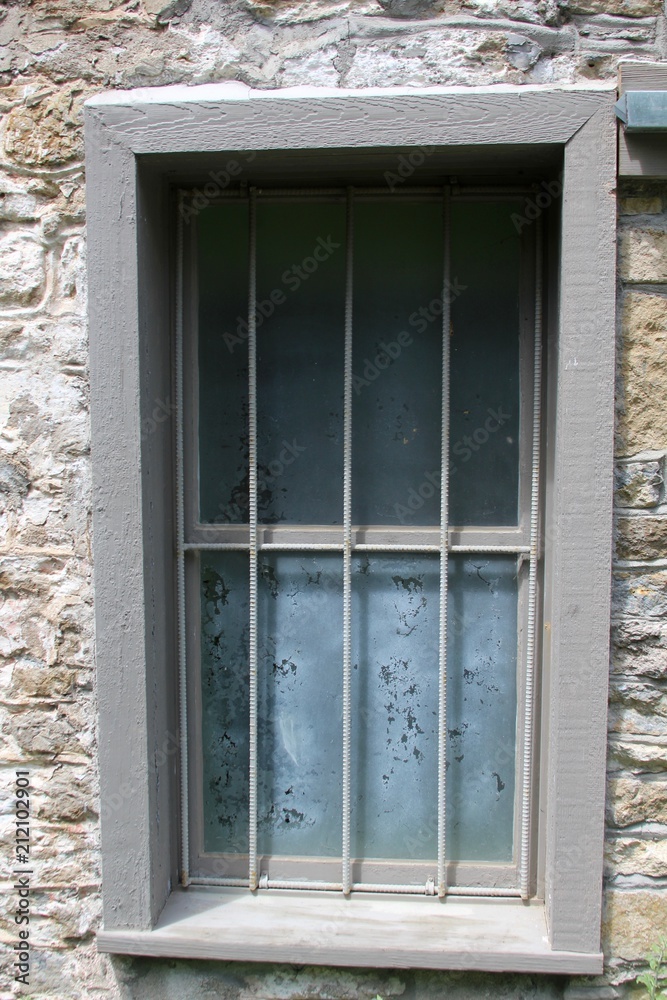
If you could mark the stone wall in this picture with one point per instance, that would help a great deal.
(54, 55)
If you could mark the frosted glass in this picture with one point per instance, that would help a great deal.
(300, 345)
(394, 706)
(395, 699)
(396, 363)
(484, 345)
(397, 353)
(224, 697)
(300, 705)
(223, 363)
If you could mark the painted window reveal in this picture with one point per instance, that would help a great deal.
(274, 776)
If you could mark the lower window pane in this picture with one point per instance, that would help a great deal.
(395, 601)
(481, 707)
(395, 713)
(300, 704)
(224, 697)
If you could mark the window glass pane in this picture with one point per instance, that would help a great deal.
(397, 361)
(300, 704)
(481, 707)
(222, 263)
(300, 345)
(395, 707)
(484, 429)
(224, 696)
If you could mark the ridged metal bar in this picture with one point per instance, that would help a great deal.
(490, 549)
(180, 557)
(398, 889)
(444, 555)
(252, 548)
(230, 883)
(360, 547)
(347, 541)
(527, 762)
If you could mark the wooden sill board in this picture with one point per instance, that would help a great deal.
(323, 928)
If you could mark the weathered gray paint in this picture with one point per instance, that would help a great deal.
(118, 522)
(133, 508)
(580, 531)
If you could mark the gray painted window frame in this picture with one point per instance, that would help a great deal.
(135, 143)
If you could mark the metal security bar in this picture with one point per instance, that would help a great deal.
(527, 768)
(180, 556)
(442, 545)
(347, 543)
(252, 518)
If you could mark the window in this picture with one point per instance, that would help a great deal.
(143, 147)
(394, 270)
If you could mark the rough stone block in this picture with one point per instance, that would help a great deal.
(638, 594)
(48, 131)
(641, 205)
(641, 538)
(13, 482)
(638, 753)
(641, 696)
(630, 800)
(640, 648)
(639, 484)
(42, 683)
(632, 921)
(643, 254)
(22, 273)
(636, 856)
(643, 366)
(625, 8)
(38, 732)
(631, 720)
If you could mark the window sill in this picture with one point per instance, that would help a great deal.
(322, 928)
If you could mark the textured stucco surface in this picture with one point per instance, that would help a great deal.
(53, 56)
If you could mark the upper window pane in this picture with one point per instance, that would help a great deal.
(484, 358)
(396, 398)
(398, 298)
(222, 263)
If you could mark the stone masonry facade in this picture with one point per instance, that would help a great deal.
(53, 55)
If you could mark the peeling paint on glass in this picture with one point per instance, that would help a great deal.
(397, 297)
(394, 696)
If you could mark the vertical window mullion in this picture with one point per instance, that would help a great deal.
(347, 543)
(180, 554)
(527, 749)
(444, 542)
(253, 876)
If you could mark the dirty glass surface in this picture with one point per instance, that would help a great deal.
(394, 698)
(484, 358)
(299, 319)
(396, 420)
(397, 361)
(397, 357)
(222, 262)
